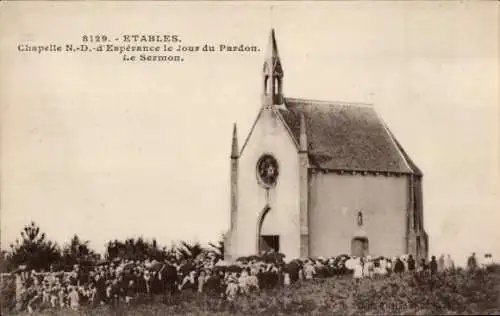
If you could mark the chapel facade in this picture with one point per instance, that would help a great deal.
(316, 178)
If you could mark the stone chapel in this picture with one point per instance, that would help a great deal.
(316, 178)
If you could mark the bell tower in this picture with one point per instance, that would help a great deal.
(272, 75)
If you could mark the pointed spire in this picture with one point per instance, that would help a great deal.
(272, 47)
(272, 74)
(272, 62)
(234, 143)
(303, 135)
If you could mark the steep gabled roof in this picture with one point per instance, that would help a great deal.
(346, 136)
(277, 114)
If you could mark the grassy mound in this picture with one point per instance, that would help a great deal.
(458, 292)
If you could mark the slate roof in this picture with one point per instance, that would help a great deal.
(346, 137)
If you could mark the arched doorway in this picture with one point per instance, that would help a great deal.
(359, 246)
(266, 242)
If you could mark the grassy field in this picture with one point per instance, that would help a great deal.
(447, 293)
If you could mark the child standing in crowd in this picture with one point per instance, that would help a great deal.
(74, 298)
(62, 297)
(201, 281)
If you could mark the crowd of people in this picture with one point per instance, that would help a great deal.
(123, 281)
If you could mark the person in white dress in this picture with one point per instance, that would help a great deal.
(232, 289)
(286, 279)
(448, 263)
(253, 281)
(309, 271)
(74, 298)
(358, 269)
(382, 267)
(243, 281)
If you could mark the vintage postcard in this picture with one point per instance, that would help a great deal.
(249, 157)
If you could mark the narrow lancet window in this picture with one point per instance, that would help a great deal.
(360, 218)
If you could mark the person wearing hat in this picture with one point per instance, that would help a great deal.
(411, 263)
(472, 262)
(399, 266)
(433, 265)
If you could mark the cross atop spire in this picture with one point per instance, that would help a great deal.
(273, 73)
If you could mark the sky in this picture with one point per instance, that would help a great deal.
(103, 148)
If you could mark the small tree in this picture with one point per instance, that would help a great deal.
(218, 248)
(34, 250)
(190, 251)
(135, 249)
(154, 252)
(77, 252)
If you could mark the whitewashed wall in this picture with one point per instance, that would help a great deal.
(333, 205)
(269, 136)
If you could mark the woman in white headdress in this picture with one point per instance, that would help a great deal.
(382, 266)
(231, 289)
(286, 278)
(448, 263)
(242, 281)
(368, 267)
(358, 269)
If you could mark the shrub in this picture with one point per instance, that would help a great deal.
(7, 292)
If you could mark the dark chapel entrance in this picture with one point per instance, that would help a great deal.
(269, 243)
(266, 242)
(359, 246)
